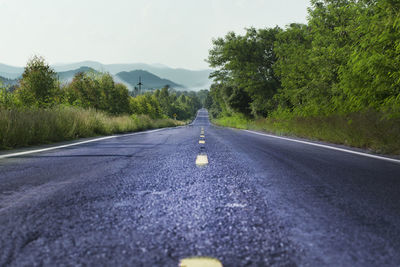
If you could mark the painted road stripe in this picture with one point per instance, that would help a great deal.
(202, 141)
(78, 143)
(200, 262)
(201, 160)
(202, 136)
(326, 146)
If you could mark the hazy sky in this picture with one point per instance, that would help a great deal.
(177, 33)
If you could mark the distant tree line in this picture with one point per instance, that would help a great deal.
(39, 87)
(345, 59)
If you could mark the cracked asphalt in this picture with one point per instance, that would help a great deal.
(140, 200)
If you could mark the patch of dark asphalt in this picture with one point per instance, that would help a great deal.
(151, 210)
(259, 202)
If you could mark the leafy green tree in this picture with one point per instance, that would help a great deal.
(293, 50)
(331, 23)
(346, 59)
(8, 99)
(39, 85)
(84, 91)
(165, 101)
(245, 66)
(146, 104)
(219, 106)
(208, 101)
(98, 91)
(202, 95)
(371, 79)
(119, 99)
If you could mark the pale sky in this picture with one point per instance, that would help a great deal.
(176, 33)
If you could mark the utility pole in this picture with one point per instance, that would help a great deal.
(140, 84)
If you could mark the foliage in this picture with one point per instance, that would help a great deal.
(98, 91)
(146, 104)
(346, 59)
(371, 77)
(335, 78)
(202, 95)
(7, 98)
(41, 111)
(244, 75)
(39, 85)
(182, 104)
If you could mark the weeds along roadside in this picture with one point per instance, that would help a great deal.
(34, 126)
(368, 130)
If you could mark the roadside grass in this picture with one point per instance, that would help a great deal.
(367, 130)
(25, 127)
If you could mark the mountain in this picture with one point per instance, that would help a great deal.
(10, 72)
(189, 79)
(67, 76)
(149, 80)
(10, 82)
(73, 66)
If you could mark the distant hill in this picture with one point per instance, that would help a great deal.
(67, 76)
(189, 79)
(10, 72)
(10, 82)
(149, 80)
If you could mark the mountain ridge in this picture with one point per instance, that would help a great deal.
(190, 79)
(149, 80)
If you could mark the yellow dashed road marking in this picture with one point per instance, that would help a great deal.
(201, 160)
(202, 136)
(200, 262)
(202, 142)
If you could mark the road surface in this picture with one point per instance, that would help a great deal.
(141, 200)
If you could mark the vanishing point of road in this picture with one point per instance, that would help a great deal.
(157, 197)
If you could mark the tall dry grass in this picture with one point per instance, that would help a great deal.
(24, 127)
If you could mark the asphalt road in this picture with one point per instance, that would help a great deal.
(140, 200)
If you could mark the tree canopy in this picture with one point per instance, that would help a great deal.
(345, 59)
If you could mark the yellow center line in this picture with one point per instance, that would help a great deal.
(202, 141)
(200, 262)
(201, 160)
(202, 136)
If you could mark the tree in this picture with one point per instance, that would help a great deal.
(245, 64)
(371, 78)
(293, 50)
(119, 99)
(39, 84)
(208, 101)
(331, 23)
(99, 91)
(7, 98)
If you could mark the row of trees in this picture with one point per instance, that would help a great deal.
(39, 87)
(346, 59)
(163, 102)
